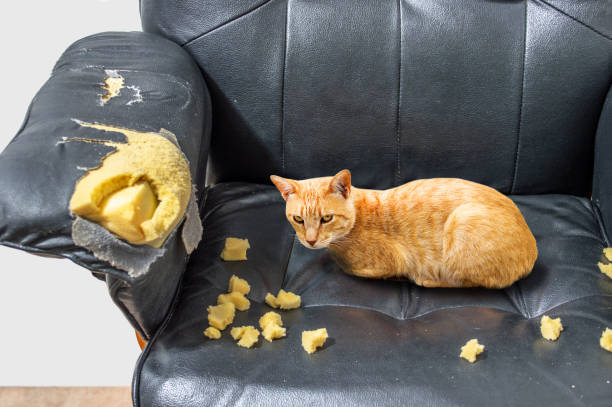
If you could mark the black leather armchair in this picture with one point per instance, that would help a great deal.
(511, 94)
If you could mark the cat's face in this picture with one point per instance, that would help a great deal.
(320, 209)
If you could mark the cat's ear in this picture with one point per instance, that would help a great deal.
(284, 185)
(341, 183)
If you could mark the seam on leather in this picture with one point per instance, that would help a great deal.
(525, 312)
(416, 316)
(571, 301)
(145, 353)
(223, 24)
(589, 205)
(282, 116)
(520, 113)
(143, 356)
(516, 305)
(406, 298)
(576, 20)
(286, 265)
(399, 95)
(599, 220)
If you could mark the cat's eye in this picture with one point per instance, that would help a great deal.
(326, 218)
(298, 219)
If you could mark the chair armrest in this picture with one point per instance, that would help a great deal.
(602, 170)
(162, 88)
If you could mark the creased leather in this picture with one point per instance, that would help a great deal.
(39, 168)
(391, 343)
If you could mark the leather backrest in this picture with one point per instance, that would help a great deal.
(506, 93)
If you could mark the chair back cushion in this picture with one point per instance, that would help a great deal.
(505, 93)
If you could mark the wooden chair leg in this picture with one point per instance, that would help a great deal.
(141, 342)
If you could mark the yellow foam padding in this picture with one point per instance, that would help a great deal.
(606, 340)
(605, 268)
(140, 191)
(608, 253)
(220, 316)
(311, 340)
(212, 332)
(248, 335)
(123, 212)
(113, 85)
(239, 285)
(550, 328)
(237, 298)
(471, 349)
(235, 249)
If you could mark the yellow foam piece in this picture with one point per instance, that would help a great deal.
(288, 300)
(311, 340)
(270, 318)
(272, 326)
(235, 249)
(550, 328)
(271, 300)
(140, 191)
(606, 340)
(284, 300)
(248, 335)
(212, 332)
(608, 253)
(220, 316)
(471, 349)
(605, 268)
(273, 331)
(239, 285)
(237, 298)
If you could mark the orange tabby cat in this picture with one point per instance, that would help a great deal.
(440, 232)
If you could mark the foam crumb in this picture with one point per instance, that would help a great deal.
(550, 328)
(311, 340)
(212, 332)
(471, 349)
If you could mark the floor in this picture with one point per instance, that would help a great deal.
(65, 396)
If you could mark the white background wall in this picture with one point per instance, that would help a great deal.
(58, 326)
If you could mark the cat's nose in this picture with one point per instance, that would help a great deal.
(312, 242)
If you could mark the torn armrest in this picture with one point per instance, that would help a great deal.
(130, 93)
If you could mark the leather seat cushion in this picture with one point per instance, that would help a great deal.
(389, 342)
